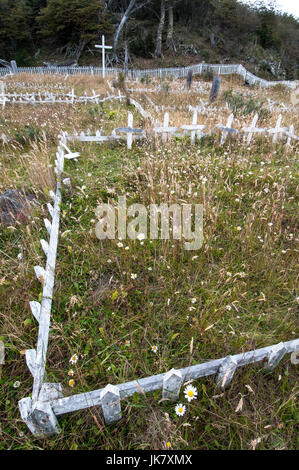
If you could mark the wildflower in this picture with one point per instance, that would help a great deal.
(20, 256)
(70, 373)
(17, 384)
(193, 300)
(74, 359)
(120, 244)
(239, 228)
(180, 409)
(133, 276)
(71, 382)
(190, 392)
(150, 269)
(228, 307)
(194, 257)
(141, 236)
(154, 349)
(191, 308)
(127, 248)
(229, 274)
(242, 274)
(168, 445)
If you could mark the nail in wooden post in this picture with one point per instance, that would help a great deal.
(172, 382)
(110, 400)
(226, 372)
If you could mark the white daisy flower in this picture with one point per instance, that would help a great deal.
(17, 384)
(120, 244)
(190, 392)
(228, 307)
(74, 359)
(180, 409)
(141, 236)
(133, 276)
(193, 300)
(154, 348)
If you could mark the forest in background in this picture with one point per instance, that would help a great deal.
(151, 33)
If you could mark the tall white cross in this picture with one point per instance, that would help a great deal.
(103, 47)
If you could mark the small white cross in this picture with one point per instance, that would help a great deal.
(130, 131)
(194, 128)
(277, 129)
(165, 130)
(103, 47)
(251, 129)
(227, 129)
(290, 135)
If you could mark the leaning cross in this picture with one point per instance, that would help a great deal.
(103, 47)
(227, 129)
(277, 130)
(251, 129)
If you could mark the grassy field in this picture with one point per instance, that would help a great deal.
(236, 293)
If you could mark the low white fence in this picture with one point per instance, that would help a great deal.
(53, 98)
(176, 72)
(40, 411)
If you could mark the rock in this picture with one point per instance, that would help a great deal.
(15, 206)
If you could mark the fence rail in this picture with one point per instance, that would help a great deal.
(176, 72)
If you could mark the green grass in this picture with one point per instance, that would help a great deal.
(112, 321)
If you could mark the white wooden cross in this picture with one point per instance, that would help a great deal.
(227, 129)
(194, 128)
(277, 129)
(290, 135)
(165, 130)
(251, 129)
(103, 47)
(129, 131)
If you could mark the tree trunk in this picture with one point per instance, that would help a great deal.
(158, 51)
(169, 40)
(122, 24)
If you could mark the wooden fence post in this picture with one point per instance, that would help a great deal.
(276, 354)
(172, 382)
(110, 400)
(226, 372)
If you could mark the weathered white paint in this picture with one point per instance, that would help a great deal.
(110, 401)
(172, 382)
(103, 47)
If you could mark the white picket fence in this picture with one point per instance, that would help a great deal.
(175, 72)
(52, 98)
(40, 411)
